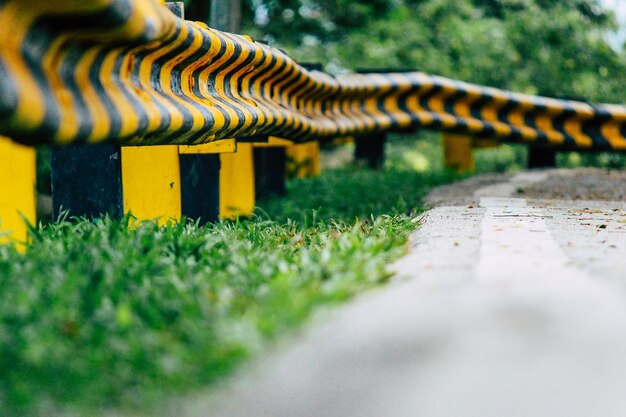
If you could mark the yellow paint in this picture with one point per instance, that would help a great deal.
(462, 107)
(93, 102)
(437, 101)
(273, 141)
(481, 143)
(612, 132)
(130, 121)
(167, 74)
(219, 83)
(151, 182)
(218, 146)
(544, 123)
(344, 140)
(573, 127)
(237, 182)
(17, 190)
(305, 159)
(490, 112)
(457, 151)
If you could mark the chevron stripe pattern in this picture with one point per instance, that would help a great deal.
(129, 71)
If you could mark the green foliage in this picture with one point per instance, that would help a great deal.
(608, 160)
(110, 314)
(554, 47)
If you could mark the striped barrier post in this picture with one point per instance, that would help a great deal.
(160, 183)
(106, 179)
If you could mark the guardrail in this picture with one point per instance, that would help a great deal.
(132, 73)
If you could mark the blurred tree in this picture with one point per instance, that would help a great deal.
(549, 47)
(219, 14)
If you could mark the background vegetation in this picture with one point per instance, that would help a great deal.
(547, 47)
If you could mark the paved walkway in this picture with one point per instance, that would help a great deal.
(508, 307)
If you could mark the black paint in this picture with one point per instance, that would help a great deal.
(370, 149)
(87, 180)
(269, 172)
(254, 139)
(200, 186)
(541, 157)
(312, 66)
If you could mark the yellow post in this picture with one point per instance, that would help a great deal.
(237, 182)
(17, 190)
(457, 151)
(151, 182)
(305, 158)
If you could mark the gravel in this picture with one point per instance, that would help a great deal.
(557, 184)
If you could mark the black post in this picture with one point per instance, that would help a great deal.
(541, 157)
(200, 186)
(270, 164)
(87, 180)
(369, 149)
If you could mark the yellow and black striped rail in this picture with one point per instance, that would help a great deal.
(130, 71)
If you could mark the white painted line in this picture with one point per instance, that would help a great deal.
(509, 188)
(517, 247)
(502, 202)
(518, 253)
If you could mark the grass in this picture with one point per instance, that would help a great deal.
(349, 194)
(99, 315)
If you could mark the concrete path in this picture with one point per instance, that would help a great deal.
(509, 307)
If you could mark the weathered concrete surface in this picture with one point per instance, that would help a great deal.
(511, 307)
